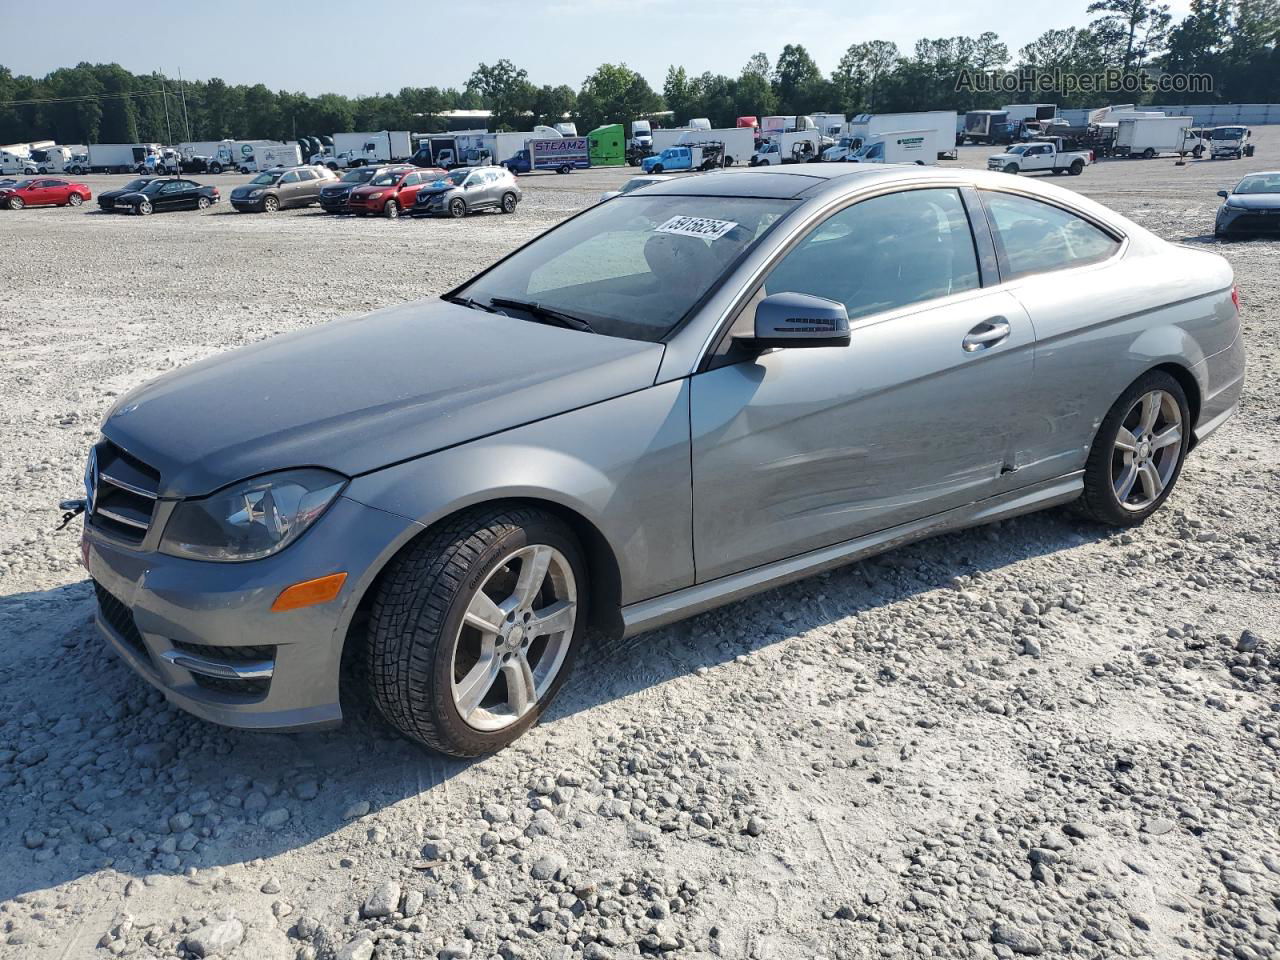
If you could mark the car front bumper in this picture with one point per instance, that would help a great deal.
(204, 633)
(248, 206)
(1244, 222)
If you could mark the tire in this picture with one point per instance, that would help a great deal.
(270, 204)
(16, 203)
(1107, 469)
(215, 168)
(1248, 151)
(728, 161)
(1198, 152)
(509, 202)
(144, 209)
(656, 168)
(1148, 153)
(457, 208)
(1010, 168)
(1076, 168)
(419, 639)
(203, 203)
(76, 171)
(74, 199)
(391, 210)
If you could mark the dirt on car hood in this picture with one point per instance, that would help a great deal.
(358, 394)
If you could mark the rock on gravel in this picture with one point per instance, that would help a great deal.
(215, 939)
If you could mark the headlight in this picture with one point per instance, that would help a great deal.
(375, 195)
(251, 519)
(256, 193)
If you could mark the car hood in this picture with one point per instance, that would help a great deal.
(115, 194)
(438, 186)
(358, 394)
(247, 189)
(1253, 201)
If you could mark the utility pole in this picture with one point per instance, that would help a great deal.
(182, 88)
(165, 97)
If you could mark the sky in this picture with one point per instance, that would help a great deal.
(355, 49)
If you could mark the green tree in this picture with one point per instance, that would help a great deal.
(615, 93)
(1131, 30)
(796, 80)
(858, 77)
(505, 90)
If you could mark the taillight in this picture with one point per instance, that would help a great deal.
(1093, 157)
(216, 193)
(1235, 297)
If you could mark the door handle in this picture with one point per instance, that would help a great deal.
(986, 334)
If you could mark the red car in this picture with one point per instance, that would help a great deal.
(44, 192)
(391, 192)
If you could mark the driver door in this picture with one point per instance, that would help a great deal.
(796, 449)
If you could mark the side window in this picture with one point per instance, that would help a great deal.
(290, 177)
(883, 253)
(305, 175)
(1034, 237)
(411, 180)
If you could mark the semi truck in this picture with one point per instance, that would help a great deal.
(1151, 135)
(901, 146)
(867, 125)
(608, 146)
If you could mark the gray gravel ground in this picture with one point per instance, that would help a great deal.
(1038, 739)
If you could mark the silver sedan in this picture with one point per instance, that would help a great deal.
(699, 390)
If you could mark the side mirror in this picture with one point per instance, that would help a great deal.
(798, 320)
(1223, 194)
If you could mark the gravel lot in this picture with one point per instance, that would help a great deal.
(1041, 738)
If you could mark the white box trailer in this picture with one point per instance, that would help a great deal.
(379, 146)
(901, 146)
(1149, 136)
(278, 155)
(119, 157)
(867, 125)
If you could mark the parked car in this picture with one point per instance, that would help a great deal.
(1251, 207)
(107, 201)
(164, 194)
(44, 192)
(635, 183)
(335, 197)
(551, 444)
(392, 191)
(277, 189)
(468, 190)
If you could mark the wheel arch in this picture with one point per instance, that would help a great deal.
(604, 609)
(1190, 386)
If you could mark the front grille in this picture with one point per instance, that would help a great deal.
(1256, 223)
(120, 619)
(123, 493)
(229, 654)
(256, 688)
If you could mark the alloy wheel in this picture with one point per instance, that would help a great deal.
(1147, 449)
(75, 199)
(513, 638)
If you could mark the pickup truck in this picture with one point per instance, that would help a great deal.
(701, 157)
(1041, 155)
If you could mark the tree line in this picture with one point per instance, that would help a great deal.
(1235, 42)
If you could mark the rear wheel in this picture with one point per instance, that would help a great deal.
(474, 627)
(270, 204)
(144, 208)
(509, 203)
(1198, 152)
(203, 203)
(1137, 455)
(457, 208)
(75, 199)
(1076, 168)
(1148, 153)
(215, 168)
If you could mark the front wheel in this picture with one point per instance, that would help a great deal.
(1148, 153)
(144, 208)
(270, 205)
(1198, 152)
(1076, 168)
(474, 628)
(1010, 168)
(392, 210)
(656, 168)
(16, 203)
(457, 208)
(1138, 452)
(509, 203)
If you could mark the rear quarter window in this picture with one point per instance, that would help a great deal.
(1035, 237)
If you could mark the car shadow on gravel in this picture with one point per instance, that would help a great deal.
(98, 772)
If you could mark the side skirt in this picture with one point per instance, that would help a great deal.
(659, 611)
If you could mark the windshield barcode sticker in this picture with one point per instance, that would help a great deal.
(702, 227)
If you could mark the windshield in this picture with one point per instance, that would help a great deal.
(359, 175)
(1227, 133)
(635, 184)
(265, 178)
(1018, 149)
(1263, 183)
(154, 186)
(23, 184)
(635, 267)
(387, 179)
(455, 178)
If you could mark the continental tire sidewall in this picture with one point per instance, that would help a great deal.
(454, 563)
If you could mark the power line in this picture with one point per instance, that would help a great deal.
(81, 99)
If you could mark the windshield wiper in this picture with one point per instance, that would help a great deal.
(473, 303)
(543, 314)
